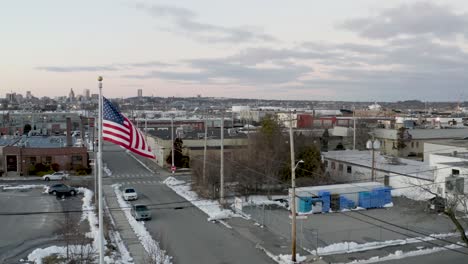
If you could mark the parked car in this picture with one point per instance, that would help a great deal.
(62, 189)
(141, 212)
(129, 194)
(59, 175)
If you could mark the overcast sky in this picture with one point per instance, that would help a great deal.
(362, 50)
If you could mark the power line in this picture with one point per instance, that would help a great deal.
(417, 238)
(404, 228)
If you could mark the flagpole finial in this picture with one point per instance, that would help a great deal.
(100, 78)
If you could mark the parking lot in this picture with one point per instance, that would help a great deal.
(320, 230)
(29, 220)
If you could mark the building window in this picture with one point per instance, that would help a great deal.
(77, 159)
(412, 144)
(325, 163)
(349, 169)
(333, 165)
(417, 144)
(32, 160)
(340, 167)
(48, 160)
(387, 180)
(455, 172)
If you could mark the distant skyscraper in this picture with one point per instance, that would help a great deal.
(71, 95)
(11, 97)
(86, 94)
(140, 93)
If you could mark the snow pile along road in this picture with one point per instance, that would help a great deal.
(349, 247)
(90, 215)
(151, 246)
(211, 208)
(23, 187)
(400, 254)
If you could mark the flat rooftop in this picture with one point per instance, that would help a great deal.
(462, 143)
(413, 168)
(43, 142)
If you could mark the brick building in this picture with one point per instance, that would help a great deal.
(17, 155)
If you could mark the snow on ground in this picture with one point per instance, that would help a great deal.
(107, 171)
(90, 215)
(150, 245)
(211, 208)
(349, 247)
(286, 259)
(263, 200)
(117, 239)
(23, 187)
(281, 259)
(38, 254)
(124, 254)
(400, 254)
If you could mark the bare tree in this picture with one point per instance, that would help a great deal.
(455, 206)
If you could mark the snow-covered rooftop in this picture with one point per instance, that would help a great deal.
(383, 163)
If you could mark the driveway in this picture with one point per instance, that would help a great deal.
(22, 233)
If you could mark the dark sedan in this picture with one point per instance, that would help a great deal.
(62, 189)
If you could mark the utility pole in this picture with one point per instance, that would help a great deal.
(172, 139)
(373, 144)
(293, 190)
(146, 129)
(221, 187)
(204, 150)
(373, 162)
(101, 221)
(354, 128)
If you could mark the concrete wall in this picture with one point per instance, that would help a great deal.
(434, 147)
(191, 147)
(362, 174)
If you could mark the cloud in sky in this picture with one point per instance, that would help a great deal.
(104, 68)
(412, 50)
(423, 18)
(227, 71)
(184, 22)
(77, 68)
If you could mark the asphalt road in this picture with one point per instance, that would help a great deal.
(20, 234)
(184, 233)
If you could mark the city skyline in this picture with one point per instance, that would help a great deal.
(306, 51)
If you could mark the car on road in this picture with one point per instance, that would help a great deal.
(129, 194)
(141, 212)
(59, 175)
(61, 189)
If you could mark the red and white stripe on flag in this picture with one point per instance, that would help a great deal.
(116, 128)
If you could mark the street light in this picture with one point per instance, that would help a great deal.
(297, 164)
(373, 144)
(293, 190)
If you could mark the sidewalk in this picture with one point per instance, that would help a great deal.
(132, 242)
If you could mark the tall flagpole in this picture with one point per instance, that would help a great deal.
(101, 222)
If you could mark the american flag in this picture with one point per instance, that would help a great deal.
(116, 128)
